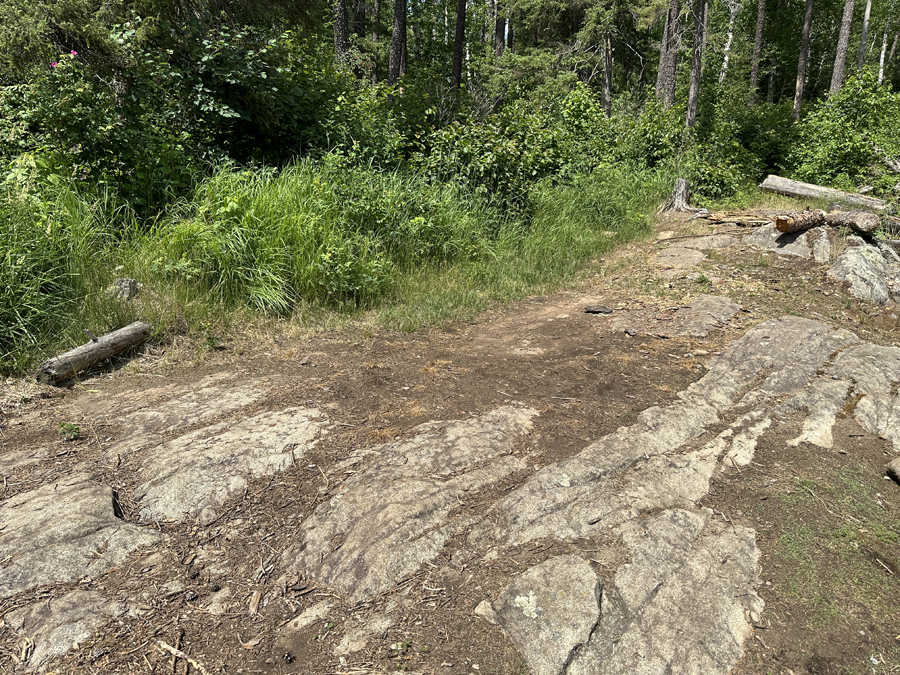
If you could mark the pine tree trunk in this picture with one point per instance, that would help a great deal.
(757, 47)
(607, 76)
(341, 30)
(499, 35)
(458, 44)
(705, 37)
(770, 92)
(804, 59)
(734, 8)
(696, 61)
(840, 57)
(668, 56)
(398, 42)
(861, 60)
(510, 37)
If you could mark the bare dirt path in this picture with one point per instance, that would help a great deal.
(691, 480)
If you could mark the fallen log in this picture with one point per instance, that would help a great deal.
(798, 190)
(861, 221)
(799, 221)
(60, 368)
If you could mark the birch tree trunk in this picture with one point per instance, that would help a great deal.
(696, 60)
(458, 44)
(734, 8)
(757, 46)
(840, 57)
(861, 60)
(804, 59)
(881, 58)
(398, 41)
(894, 48)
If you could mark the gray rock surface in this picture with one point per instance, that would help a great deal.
(767, 237)
(193, 475)
(703, 314)
(550, 611)
(679, 258)
(149, 426)
(55, 626)
(680, 606)
(709, 242)
(821, 245)
(391, 515)
(356, 638)
(866, 270)
(61, 532)
(893, 469)
(875, 372)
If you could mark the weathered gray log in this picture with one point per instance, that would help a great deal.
(861, 221)
(60, 368)
(798, 190)
(799, 221)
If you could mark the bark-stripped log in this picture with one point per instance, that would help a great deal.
(798, 190)
(60, 368)
(799, 221)
(861, 221)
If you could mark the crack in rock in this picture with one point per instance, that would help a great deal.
(550, 611)
(61, 532)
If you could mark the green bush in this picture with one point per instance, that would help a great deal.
(836, 142)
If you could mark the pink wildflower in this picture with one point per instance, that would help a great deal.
(54, 64)
(74, 53)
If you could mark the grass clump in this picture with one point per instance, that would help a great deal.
(317, 239)
(55, 250)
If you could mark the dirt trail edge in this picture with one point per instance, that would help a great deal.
(384, 514)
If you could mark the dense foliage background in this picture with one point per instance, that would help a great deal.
(279, 156)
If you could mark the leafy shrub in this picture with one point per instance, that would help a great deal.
(836, 142)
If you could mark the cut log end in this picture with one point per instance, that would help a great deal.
(62, 367)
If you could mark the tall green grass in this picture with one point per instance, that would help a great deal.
(315, 235)
(57, 247)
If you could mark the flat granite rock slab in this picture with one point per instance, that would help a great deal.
(193, 475)
(550, 611)
(703, 314)
(55, 626)
(709, 242)
(681, 606)
(149, 426)
(679, 258)
(52, 535)
(867, 272)
(767, 237)
(391, 515)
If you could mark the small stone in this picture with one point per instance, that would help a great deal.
(123, 289)
(893, 469)
(486, 612)
(597, 309)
